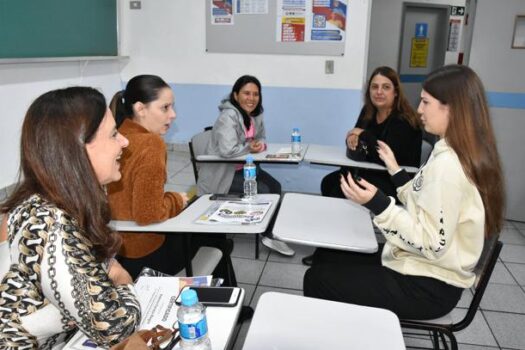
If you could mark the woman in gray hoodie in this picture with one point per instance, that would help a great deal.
(239, 130)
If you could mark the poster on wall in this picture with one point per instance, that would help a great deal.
(419, 53)
(291, 20)
(453, 35)
(329, 20)
(251, 7)
(221, 12)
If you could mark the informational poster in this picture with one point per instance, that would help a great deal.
(311, 20)
(329, 20)
(251, 7)
(419, 53)
(453, 35)
(221, 12)
(291, 20)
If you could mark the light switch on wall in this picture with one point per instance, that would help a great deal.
(329, 67)
(135, 5)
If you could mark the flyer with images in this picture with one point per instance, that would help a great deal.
(221, 12)
(328, 20)
(235, 212)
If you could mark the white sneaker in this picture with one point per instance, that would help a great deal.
(278, 246)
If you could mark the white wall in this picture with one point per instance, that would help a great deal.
(502, 70)
(385, 33)
(167, 37)
(20, 84)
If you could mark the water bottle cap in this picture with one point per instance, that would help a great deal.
(189, 297)
(295, 129)
(249, 158)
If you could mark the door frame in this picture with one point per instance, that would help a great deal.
(403, 15)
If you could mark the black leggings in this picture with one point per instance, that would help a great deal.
(169, 258)
(266, 183)
(331, 183)
(361, 279)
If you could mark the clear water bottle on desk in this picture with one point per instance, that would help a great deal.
(193, 326)
(296, 142)
(250, 182)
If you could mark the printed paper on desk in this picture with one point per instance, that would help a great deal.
(157, 297)
(235, 212)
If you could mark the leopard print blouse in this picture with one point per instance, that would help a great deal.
(55, 286)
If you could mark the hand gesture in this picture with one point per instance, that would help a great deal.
(117, 274)
(352, 138)
(256, 146)
(185, 199)
(360, 192)
(387, 156)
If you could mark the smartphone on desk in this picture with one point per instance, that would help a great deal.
(226, 197)
(214, 296)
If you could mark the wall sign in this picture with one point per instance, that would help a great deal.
(457, 11)
(421, 30)
(419, 53)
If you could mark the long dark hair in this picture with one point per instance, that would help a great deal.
(401, 105)
(239, 84)
(471, 136)
(141, 88)
(54, 162)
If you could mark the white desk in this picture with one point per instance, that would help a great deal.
(325, 222)
(333, 155)
(185, 221)
(221, 323)
(272, 148)
(285, 321)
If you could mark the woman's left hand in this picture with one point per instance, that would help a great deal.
(361, 192)
(117, 274)
(387, 156)
(256, 146)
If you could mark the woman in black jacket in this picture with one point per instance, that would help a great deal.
(386, 116)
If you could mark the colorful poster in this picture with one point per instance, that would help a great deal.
(328, 20)
(221, 12)
(251, 7)
(291, 20)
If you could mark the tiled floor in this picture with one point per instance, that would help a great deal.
(499, 324)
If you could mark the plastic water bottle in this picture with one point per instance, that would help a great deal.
(193, 326)
(250, 182)
(296, 141)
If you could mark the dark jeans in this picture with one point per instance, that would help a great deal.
(266, 183)
(361, 279)
(169, 258)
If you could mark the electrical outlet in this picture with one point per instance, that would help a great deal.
(329, 67)
(135, 5)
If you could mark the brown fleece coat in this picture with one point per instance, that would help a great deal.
(139, 195)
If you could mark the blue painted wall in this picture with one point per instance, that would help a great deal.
(323, 116)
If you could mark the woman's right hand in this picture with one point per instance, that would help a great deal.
(387, 156)
(352, 138)
(256, 146)
(185, 199)
(117, 274)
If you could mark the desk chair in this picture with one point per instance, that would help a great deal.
(197, 146)
(426, 149)
(446, 325)
(204, 262)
